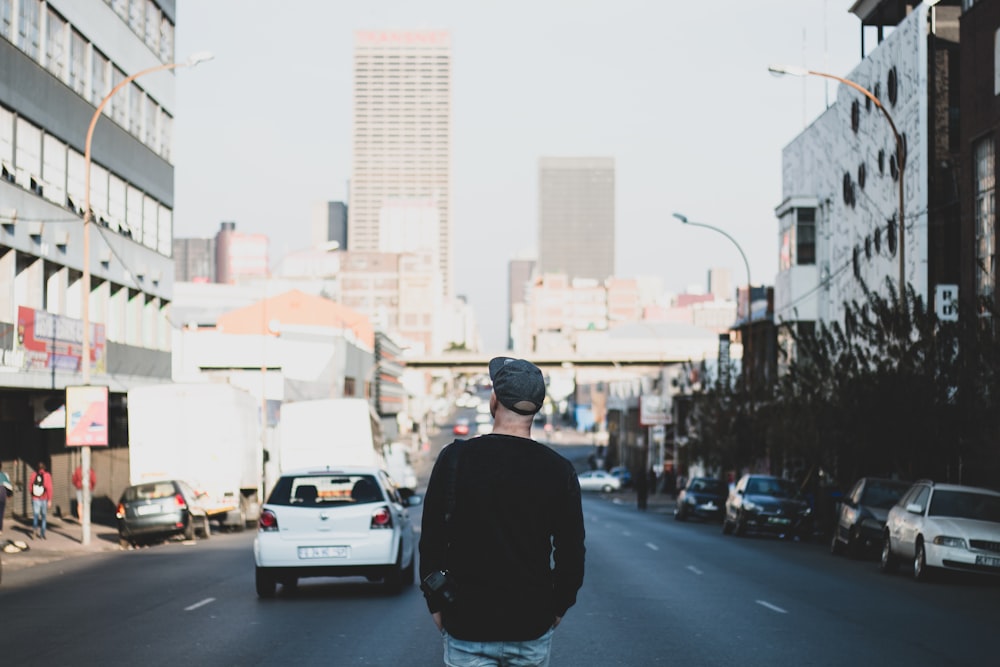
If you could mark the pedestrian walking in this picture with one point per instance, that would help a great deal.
(78, 484)
(502, 538)
(6, 491)
(41, 500)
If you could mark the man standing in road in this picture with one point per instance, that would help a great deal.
(503, 530)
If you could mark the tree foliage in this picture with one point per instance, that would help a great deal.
(892, 390)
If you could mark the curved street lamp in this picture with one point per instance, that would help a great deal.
(748, 360)
(801, 71)
(195, 59)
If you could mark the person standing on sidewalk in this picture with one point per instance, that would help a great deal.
(41, 500)
(502, 525)
(78, 484)
(6, 490)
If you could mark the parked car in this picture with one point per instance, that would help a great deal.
(461, 427)
(860, 515)
(622, 473)
(701, 498)
(160, 510)
(946, 526)
(767, 504)
(599, 480)
(351, 521)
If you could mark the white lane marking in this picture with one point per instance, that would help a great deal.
(694, 569)
(771, 607)
(652, 546)
(200, 604)
(627, 533)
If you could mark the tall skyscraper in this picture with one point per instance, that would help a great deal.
(401, 136)
(576, 217)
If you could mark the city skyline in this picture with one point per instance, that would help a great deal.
(691, 116)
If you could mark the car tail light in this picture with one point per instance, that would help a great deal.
(179, 499)
(268, 521)
(381, 518)
(120, 511)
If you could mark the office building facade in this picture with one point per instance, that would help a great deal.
(401, 136)
(59, 60)
(576, 216)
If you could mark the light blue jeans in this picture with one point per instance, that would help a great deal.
(41, 513)
(530, 653)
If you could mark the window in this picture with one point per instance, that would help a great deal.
(133, 212)
(134, 109)
(99, 192)
(116, 202)
(165, 231)
(54, 169)
(55, 45)
(119, 103)
(77, 62)
(149, 220)
(6, 139)
(75, 180)
(28, 27)
(6, 17)
(121, 8)
(28, 153)
(984, 215)
(805, 247)
(166, 40)
(149, 118)
(99, 79)
(136, 11)
(166, 134)
(152, 29)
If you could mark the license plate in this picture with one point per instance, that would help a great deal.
(778, 520)
(323, 552)
(710, 505)
(989, 561)
(143, 510)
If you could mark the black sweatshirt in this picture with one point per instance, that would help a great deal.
(516, 551)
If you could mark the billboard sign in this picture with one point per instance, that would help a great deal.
(86, 416)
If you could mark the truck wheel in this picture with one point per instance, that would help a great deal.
(266, 583)
(189, 528)
(206, 527)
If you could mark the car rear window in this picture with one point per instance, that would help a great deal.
(150, 491)
(326, 490)
(708, 486)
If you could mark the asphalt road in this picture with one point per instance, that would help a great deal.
(657, 592)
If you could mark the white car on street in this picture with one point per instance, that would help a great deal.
(599, 480)
(342, 522)
(947, 526)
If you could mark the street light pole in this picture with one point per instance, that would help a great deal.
(85, 279)
(748, 359)
(900, 154)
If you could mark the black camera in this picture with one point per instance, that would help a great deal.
(439, 586)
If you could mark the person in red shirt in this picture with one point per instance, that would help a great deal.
(41, 500)
(78, 484)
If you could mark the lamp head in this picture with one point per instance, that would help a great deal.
(682, 218)
(199, 57)
(780, 70)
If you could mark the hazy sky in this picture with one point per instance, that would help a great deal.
(677, 92)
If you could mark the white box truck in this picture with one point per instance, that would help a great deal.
(209, 435)
(329, 432)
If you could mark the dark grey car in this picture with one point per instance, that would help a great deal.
(767, 504)
(861, 515)
(159, 510)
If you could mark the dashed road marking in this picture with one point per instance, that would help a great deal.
(200, 604)
(652, 546)
(772, 607)
(694, 569)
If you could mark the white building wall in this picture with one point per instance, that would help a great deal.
(825, 160)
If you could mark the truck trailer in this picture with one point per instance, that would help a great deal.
(207, 434)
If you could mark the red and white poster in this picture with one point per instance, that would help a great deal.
(86, 416)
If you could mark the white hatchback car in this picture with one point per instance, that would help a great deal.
(948, 526)
(599, 480)
(342, 522)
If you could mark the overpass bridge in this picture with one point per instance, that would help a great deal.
(472, 361)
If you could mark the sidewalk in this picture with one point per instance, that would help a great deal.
(63, 539)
